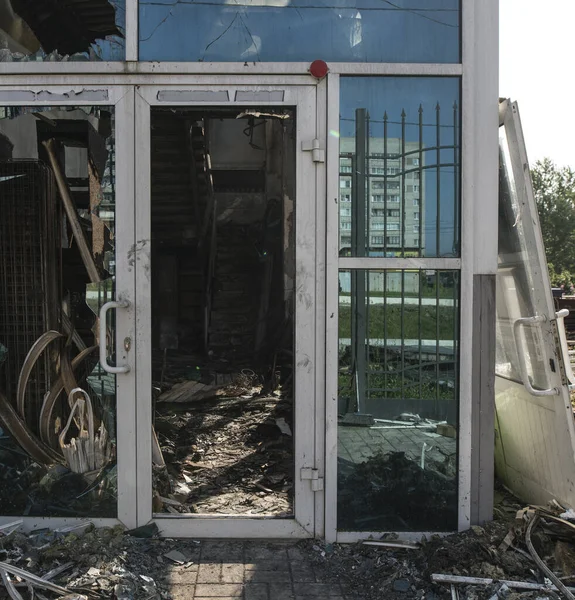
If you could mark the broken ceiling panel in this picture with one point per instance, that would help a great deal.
(65, 26)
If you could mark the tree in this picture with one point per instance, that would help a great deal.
(554, 189)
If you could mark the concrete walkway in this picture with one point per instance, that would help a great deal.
(251, 571)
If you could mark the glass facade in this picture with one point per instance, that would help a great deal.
(398, 400)
(399, 167)
(418, 31)
(56, 31)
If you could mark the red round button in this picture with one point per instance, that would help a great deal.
(319, 69)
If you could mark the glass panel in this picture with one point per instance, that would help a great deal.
(223, 257)
(57, 268)
(57, 31)
(399, 166)
(425, 31)
(518, 276)
(398, 400)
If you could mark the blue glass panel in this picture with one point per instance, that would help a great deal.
(300, 30)
(400, 166)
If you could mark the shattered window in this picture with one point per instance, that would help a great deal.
(425, 31)
(62, 30)
(57, 268)
(398, 400)
(394, 131)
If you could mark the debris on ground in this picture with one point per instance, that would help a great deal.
(502, 560)
(226, 442)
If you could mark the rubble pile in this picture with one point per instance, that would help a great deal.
(226, 448)
(484, 563)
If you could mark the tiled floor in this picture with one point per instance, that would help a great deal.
(357, 444)
(250, 571)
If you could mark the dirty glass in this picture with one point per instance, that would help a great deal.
(222, 294)
(397, 400)
(517, 276)
(423, 31)
(400, 158)
(57, 268)
(78, 31)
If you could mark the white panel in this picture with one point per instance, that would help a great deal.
(332, 308)
(143, 346)
(125, 326)
(193, 96)
(260, 96)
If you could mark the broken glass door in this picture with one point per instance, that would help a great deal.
(535, 441)
(59, 269)
(230, 229)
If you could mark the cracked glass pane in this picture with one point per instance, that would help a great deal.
(62, 30)
(287, 30)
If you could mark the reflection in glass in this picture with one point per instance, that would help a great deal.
(57, 268)
(398, 390)
(421, 31)
(516, 276)
(87, 30)
(399, 167)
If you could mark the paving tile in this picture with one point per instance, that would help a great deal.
(254, 553)
(268, 565)
(182, 575)
(222, 551)
(210, 573)
(294, 553)
(316, 590)
(257, 591)
(219, 590)
(281, 591)
(233, 573)
(182, 592)
(268, 576)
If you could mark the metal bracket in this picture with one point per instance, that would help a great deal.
(313, 146)
(307, 473)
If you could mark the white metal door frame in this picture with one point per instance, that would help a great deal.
(121, 98)
(232, 92)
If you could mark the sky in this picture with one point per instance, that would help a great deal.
(537, 69)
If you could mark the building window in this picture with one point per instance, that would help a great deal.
(393, 226)
(377, 239)
(377, 198)
(393, 198)
(394, 212)
(346, 198)
(345, 212)
(378, 225)
(392, 185)
(377, 171)
(345, 240)
(416, 188)
(416, 229)
(345, 225)
(416, 202)
(393, 239)
(345, 183)
(416, 216)
(378, 185)
(345, 169)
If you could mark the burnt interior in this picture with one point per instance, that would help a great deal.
(57, 267)
(222, 309)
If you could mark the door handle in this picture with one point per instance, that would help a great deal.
(560, 316)
(103, 346)
(523, 359)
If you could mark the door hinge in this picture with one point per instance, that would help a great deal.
(313, 146)
(307, 473)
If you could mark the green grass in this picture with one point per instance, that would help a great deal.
(385, 322)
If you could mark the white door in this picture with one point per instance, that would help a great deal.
(207, 112)
(535, 442)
